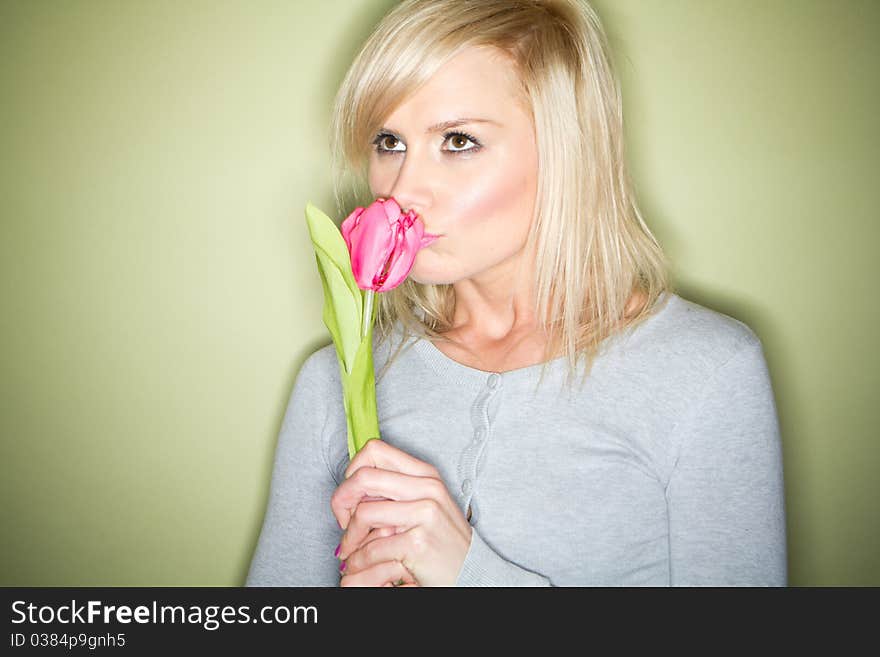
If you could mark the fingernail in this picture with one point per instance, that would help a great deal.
(342, 567)
(336, 551)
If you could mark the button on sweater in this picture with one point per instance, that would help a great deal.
(663, 468)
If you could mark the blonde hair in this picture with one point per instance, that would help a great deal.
(594, 252)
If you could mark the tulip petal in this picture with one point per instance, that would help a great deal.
(404, 256)
(349, 224)
(392, 210)
(372, 241)
(424, 238)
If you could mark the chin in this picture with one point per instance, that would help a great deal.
(429, 270)
(431, 280)
(431, 277)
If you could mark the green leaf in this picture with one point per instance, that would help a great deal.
(327, 237)
(343, 315)
(355, 292)
(329, 316)
(344, 311)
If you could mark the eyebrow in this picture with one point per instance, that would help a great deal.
(446, 125)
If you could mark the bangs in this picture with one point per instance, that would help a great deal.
(386, 73)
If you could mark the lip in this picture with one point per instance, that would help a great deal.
(431, 237)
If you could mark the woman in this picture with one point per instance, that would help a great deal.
(500, 124)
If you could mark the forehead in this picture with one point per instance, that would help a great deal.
(479, 81)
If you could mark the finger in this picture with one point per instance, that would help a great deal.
(375, 534)
(370, 515)
(377, 453)
(380, 574)
(397, 548)
(375, 483)
(379, 532)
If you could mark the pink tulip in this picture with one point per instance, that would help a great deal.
(383, 244)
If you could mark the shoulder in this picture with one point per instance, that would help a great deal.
(669, 360)
(322, 364)
(316, 403)
(688, 363)
(714, 352)
(318, 377)
(321, 368)
(686, 334)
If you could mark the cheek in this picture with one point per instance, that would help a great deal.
(490, 213)
(380, 176)
(497, 204)
(374, 180)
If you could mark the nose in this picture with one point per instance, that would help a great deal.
(412, 186)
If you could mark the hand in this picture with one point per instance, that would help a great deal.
(416, 533)
(389, 573)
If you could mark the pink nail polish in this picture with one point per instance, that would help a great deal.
(342, 567)
(336, 551)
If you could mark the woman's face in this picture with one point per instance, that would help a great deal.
(472, 180)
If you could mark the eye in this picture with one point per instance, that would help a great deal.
(385, 143)
(459, 142)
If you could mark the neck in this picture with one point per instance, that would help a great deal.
(497, 304)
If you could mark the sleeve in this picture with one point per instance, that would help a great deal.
(725, 495)
(299, 533)
(484, 567)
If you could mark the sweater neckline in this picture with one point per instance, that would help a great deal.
(467, 375)
(462, 374)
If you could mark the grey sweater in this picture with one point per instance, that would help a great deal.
(665, 468)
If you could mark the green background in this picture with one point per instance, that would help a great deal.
(159, 292)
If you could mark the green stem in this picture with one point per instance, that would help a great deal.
(368, 313)
(359, 387)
